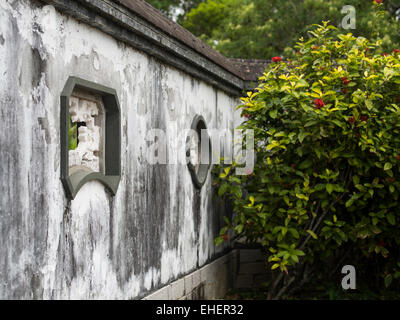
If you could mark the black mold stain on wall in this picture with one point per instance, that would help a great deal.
(23, 228)
(196, 218)
(66, 264)
(157, 178)
(38, 174)
(11, 208)
(145, 210)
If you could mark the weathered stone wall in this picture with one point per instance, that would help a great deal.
(250, 271)
(243, 268)
(157, 228)
(212, 281)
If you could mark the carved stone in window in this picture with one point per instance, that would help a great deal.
(87, 116)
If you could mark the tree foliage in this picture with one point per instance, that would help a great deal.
(165, 6)
(261, 29)
(175, 8)
(327, 172)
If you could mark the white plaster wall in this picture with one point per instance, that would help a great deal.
(95, 246)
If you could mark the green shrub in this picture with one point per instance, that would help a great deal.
(326, 178)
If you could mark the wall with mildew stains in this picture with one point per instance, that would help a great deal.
(157, 228)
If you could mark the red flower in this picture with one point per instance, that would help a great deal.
(245, 115)
(344, 80)
(276, 59)
(381, 243)
(396, 51)
(378, 1)
(352, 120)
(364, 118)
(384, 54)
(298, 52)
(398, 157)
(225, 237)
(319, 103)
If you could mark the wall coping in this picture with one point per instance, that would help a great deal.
(143, 27)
